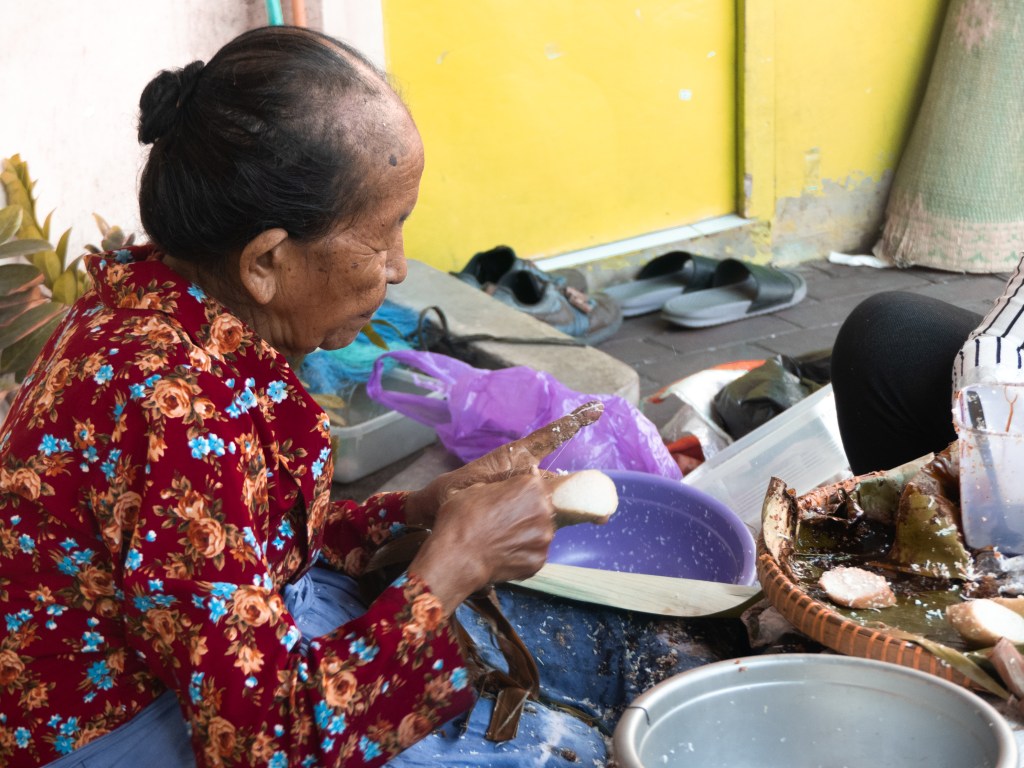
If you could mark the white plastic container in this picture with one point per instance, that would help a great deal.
(377, 436)
(801, 446)
(989, 420)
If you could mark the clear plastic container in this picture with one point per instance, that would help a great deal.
(377, 436)
(801, 446)
(989, 420)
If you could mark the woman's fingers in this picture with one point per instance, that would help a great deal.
(518, 456)
(488, 533)
(540, 443)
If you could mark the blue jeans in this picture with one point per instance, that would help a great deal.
(592, 660)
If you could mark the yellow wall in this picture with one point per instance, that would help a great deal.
(555, 125)
(848, 79)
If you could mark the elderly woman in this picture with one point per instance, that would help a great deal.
(166, 479)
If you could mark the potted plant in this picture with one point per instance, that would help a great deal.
(37, 283)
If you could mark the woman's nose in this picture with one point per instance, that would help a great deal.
(396, 266)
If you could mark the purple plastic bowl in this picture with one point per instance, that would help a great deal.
(664, 528)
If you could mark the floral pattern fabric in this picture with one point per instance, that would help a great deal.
(163, 476)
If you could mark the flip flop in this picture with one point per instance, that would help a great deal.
(738, 290)
(661, 279)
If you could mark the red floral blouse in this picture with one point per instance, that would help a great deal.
(163, 475)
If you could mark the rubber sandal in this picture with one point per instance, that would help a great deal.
(661, 279)
(738, 290)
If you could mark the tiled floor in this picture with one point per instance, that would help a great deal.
(662, 353)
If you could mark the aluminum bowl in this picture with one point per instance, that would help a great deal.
(808, 711)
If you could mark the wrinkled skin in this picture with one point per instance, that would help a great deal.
(492, 519)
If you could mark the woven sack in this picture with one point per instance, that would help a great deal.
(957, 202)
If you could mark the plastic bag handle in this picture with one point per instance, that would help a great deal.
(444, 371)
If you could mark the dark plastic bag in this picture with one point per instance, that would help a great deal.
(484, 409)
(766, 391)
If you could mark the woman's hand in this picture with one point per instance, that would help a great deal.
(514, 458)
(487, 533)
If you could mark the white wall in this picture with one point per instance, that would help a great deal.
(71, 73)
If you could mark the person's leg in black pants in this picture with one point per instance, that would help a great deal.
(892, 369)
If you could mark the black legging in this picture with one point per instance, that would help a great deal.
(892, 368)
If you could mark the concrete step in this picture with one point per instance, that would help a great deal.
(470, 311)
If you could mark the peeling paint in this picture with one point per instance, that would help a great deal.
(812, 170)
(844, 216)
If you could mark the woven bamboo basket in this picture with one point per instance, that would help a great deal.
(820, 622)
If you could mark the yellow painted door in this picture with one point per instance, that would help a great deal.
(557, 125)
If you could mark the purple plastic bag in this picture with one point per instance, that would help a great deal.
(483, 409)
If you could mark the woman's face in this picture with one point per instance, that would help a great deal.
(331, 293)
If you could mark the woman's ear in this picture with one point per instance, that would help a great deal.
(260, 263)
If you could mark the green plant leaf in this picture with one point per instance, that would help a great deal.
(45, 229)
(49, 264)
(114, 239)
(65, 287)
(62, 246)
(84, 281)
(23, 248)
(101, 224)
(375, 338)
(17, 359)
(13, 306)
(23, 299)
(18, 277)
(10, 220)
(28, 322)
(18, 187)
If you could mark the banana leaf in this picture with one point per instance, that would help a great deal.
(957, 660)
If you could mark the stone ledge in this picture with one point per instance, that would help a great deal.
(470, 311)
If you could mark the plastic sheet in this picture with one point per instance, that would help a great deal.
(763, 393)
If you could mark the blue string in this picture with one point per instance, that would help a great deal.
(335, 371)
(274, 16)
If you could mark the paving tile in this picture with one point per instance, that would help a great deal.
(688, 339)
(638, 327)
(860, 281)
(633, 350)
(802, 342)
(674, 367)
(976, 294)
(811, 314)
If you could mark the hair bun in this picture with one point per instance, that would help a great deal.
(162, 98)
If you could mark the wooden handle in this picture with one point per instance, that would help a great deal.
(661, 595)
